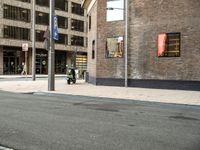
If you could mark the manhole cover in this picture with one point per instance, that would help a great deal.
(4, 148)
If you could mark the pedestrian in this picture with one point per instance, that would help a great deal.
(24, 69)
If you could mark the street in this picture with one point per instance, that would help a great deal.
(66, 122)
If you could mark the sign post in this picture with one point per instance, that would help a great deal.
(51, 52)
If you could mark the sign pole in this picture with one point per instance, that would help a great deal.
(33, 40)
(126, 43)
(51, 52)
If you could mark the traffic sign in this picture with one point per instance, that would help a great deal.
(24, 46)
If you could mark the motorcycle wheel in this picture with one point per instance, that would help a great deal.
(68, 81)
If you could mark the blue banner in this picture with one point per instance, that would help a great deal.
(55, 28)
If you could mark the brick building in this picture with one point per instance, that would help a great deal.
(16, 29)
(163, 43)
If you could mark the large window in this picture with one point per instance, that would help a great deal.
(16, 13)
(169, 45)
(77, 25)
(39, 36)
(43, 2)
(77, 40)
(63, 39)
(81, 62)
(62, 22)
(61, 5)
(115, 10)
(42, 18)
(114, 47)
(16, 33)
(77, 9)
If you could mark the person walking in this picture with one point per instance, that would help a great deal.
(24, 69)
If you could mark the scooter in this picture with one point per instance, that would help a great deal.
(71, 77)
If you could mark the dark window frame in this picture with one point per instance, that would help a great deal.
(107, 51)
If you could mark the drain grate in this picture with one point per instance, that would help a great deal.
(4, 148)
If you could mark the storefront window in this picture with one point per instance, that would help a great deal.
(114, 47)
(115, 10)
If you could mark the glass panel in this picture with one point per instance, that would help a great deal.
(115, 10)
(115, 47)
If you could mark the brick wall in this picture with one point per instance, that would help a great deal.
(150, 17)
(108, 67)
(92, 34)
(147, 19)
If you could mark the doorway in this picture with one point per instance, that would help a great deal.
(11, 63)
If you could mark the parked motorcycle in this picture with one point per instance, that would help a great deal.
(71, 76)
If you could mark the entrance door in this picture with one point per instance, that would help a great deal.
(10, 65)
(41, 66)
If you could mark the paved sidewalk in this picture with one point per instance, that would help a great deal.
(82, 88)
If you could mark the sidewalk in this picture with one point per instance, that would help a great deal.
(85, 89)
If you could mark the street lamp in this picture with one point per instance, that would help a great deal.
(51, 52)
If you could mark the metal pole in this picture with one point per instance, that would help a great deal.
(126, 43)
(33, 40)
(51, 53)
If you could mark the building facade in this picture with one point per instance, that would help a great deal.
(16, 30)
(163, 43)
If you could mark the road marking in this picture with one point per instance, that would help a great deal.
(4, 148)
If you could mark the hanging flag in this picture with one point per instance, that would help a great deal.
(55, 28)
(46, 37)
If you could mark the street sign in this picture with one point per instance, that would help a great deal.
(25, 47)
(55, 28)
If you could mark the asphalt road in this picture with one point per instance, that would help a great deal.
(64, 122)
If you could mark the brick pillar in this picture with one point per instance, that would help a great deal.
(1, 60)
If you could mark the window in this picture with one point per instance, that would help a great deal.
(115, 10)
(61, 5)
(16, 13)
(77, 9)
(43, 2)
(90, 22)
(42, 18)
(81, 62)
(39, 36)
(16, 33)
(62, 22)
(93, 49)
(114, 47)
(77, 25)
(77, 40)
(169, 45)
(63, 39)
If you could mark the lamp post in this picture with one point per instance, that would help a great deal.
(51, 52)
(33, 40)
(126, 44)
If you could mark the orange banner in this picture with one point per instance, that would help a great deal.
(161, 44)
